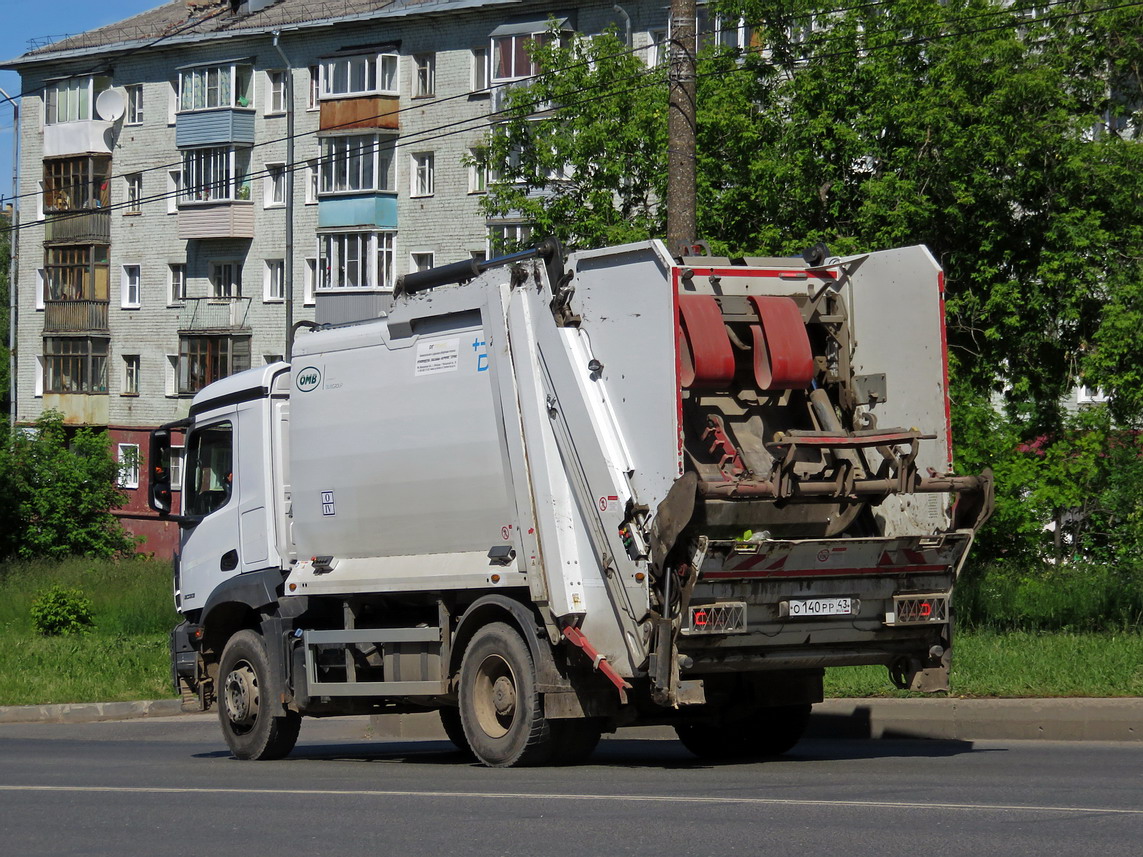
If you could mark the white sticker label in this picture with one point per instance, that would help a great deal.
(440, 355)
(327, 503)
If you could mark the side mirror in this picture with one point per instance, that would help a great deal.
(159, 471)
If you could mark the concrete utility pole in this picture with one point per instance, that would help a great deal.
(681, 220)
(288, 179)
(13, 254)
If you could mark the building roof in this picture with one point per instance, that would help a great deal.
(183, 21)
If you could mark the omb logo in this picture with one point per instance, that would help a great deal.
(308, 379)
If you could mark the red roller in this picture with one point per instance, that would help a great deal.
(706, 355)
(782, 356)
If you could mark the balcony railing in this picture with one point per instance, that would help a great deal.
(214, 314)
(75, 316)
(88, 227)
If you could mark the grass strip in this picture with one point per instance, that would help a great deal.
(1020, 664)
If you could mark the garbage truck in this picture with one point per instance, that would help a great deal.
(549, 496)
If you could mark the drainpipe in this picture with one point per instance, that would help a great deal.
(619, 10)
(13, 247)
(288, 268)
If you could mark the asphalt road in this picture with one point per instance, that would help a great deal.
(167, 786)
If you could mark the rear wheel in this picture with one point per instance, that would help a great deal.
(500, 707)
(254, 724)
(770, 732)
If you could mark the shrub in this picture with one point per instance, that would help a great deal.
(60, 610)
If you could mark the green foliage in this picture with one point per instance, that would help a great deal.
(1002, 136)
(60, 610)
(594, 175)
(984, 131)
(57, 490)
(125, 655)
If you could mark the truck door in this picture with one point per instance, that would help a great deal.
(211, 491)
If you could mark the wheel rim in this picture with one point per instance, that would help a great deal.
(240, 696)
(495, 696)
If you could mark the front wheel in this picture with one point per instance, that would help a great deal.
(500, 707)
(769, 732)
(254, 724)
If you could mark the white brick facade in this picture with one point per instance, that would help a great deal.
(448, 223)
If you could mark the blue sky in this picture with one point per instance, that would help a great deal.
(21, 20)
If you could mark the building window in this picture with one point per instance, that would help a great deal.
(477, 170)
(362, 162)
(311, 181)
(426, 84)
(421, 261)
(128, 459)
(134, 105)
(75, 364)
(206, 359)
(130, 287)
(423, 174)
(214, 174)
(313, 92)
(356, 260)
(134, 193)
(176, 283)
(211, 87)
(479, 70)
(130, 375)
(506, 238)
(225, 280)
(274, 281)
(510, 59)
(360, 75)
(72, 100)
(276, 90)
(310, 282)
(175, 466)
(174, 181)
(657, 50)
(77, 184)
(77, 273)
(275, 186)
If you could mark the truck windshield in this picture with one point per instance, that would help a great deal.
(209, 463)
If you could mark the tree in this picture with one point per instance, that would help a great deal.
(1000, 137)
(582, 151)
(57, 493)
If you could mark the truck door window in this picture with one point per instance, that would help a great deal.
(209, 465)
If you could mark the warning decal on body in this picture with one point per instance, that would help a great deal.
(436, 356)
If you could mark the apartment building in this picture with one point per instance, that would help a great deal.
(159, 181)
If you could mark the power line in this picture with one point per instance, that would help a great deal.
(493, 118)
(531, 78)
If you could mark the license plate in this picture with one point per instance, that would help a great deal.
(797, 608)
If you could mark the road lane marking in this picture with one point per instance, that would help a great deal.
(533, 796)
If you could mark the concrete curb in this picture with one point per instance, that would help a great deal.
(1117, 719)
(88, 712)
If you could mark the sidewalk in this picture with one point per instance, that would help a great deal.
(1119, 719)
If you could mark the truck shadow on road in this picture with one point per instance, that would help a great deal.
(628, 753)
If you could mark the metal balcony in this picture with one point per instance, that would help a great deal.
(214, 315)
(78, 227)
(82, 316)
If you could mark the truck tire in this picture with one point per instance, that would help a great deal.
(771, 732)
(454, 729)
(247, 695)
(500, 707)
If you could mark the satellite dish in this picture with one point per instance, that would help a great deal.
(111, 104)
